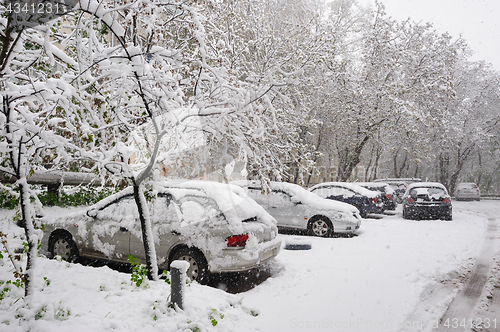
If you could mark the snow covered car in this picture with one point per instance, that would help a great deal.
(399, 185)
(295, 207)
(366, 201)
(388, 194)
(467, 191)
(204, 223)
(424, 200)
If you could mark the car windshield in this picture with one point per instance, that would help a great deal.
(431, 192)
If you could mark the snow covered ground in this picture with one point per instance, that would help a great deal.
(372, 282)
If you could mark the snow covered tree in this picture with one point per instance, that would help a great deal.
(158, 79)
(466, 132)
(38, 104)
(261, 42)
(399, 69)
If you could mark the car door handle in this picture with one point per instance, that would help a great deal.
(123, 229)
(175, 233)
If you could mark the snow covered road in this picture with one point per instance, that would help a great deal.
(461, 312)
(397, 275)
(378, 280)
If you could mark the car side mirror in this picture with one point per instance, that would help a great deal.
(92, 213)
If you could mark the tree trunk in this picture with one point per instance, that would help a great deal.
(415, 175)
(480, 166)
(377, 160)
(31, 237)
(315, 156)
(147, 233)
(461, 158)
(19, 165)
(444, 164)
(349, 159)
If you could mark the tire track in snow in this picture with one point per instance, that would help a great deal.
(493, 312)
(461, 311)
(490, 309)
(434, 300)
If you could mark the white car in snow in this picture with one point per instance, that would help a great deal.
(204, 223)
(297, 208)
(467, 190)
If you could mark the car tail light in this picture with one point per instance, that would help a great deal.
(374, 199)
(410, 200)
(237, 240)
(446, 200)
(389, 196)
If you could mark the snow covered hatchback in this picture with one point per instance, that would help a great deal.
(204, 223)
(424, 200)
(298, 208)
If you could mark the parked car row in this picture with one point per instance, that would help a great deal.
(215, 227)
(232, 227)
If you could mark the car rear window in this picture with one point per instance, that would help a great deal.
(434, 192)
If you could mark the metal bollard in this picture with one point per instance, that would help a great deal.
(177, 281)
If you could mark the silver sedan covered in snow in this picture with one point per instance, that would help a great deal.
(202, 222)
(296, 207)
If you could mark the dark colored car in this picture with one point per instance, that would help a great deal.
(427, 200)
(388, 194)
(365, 200)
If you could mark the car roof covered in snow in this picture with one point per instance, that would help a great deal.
(384, 185)
(231, 199)
(305, 196)
(355, 187)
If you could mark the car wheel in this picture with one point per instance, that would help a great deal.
(62, 244)
(320, 227)
(198, 266)
(405, 214)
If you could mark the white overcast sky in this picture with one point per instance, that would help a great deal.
(478, 21)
